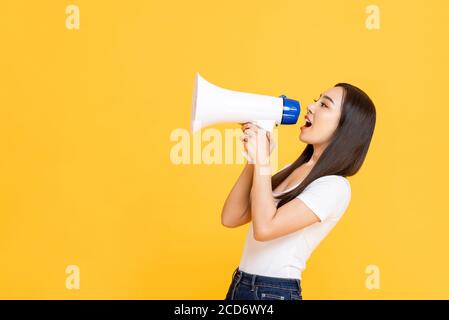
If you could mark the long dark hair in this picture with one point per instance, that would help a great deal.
(348, 146)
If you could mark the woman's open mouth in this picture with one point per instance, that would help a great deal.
(308, 124)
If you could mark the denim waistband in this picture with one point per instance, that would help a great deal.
(254, 279)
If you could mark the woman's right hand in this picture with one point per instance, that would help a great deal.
(244, 136)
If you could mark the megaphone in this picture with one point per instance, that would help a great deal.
(212, 104)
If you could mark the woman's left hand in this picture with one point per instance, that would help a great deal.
(259, 143)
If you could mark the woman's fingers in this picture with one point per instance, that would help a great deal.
(250, 130)
(248, 125)
(270, 136)
(250, 133)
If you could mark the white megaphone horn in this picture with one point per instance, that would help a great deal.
(212, 104)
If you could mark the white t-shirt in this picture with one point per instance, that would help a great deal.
(286, 256)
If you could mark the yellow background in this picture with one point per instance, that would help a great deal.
(85, 120)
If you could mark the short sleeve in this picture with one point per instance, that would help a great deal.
(327, 196)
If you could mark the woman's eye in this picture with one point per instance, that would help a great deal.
(322, 104)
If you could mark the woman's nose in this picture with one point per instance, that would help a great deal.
(309, 110)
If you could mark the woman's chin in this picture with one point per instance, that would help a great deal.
(301, 137)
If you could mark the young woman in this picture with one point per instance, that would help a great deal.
(292, 211)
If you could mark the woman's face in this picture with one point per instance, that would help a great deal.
(324, 115)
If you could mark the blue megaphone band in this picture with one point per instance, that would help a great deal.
(291, 110)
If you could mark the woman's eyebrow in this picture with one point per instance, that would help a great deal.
(327, 97)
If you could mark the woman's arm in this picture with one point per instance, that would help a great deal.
(269, 222)
(237, 207)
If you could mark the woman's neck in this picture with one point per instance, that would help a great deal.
(317, 151)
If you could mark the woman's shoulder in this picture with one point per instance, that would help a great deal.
(334, 178)
(333, 183)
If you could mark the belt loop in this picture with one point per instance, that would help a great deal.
(239, 277)
(299, 284)
(235, 271)
(252, 281)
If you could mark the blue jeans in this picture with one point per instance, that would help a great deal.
(247, 286)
